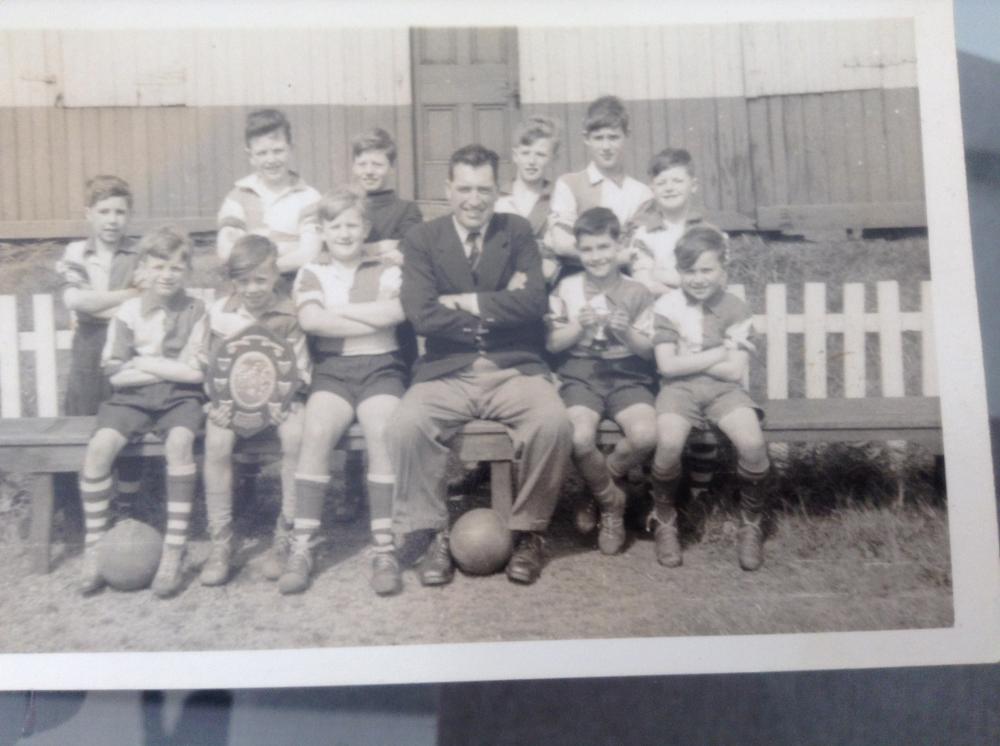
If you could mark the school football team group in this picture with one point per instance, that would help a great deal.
(547, 307)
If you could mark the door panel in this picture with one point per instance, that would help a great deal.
(465, 90)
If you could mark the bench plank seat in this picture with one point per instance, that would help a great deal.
(49, 445)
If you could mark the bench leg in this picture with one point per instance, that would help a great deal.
(502, 487)
(42, 507)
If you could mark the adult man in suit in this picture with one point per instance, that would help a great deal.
(473, 286)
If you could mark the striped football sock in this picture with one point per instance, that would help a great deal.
(380, 487)
(127, 494)
(180, 497)
(310, 491)
(96, 497)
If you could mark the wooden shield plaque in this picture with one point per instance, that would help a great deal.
(252, 379)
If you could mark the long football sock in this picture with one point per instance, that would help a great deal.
(96, 497)
(310, 491)
(380, 487)
(181, 481)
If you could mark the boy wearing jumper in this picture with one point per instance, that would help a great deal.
(273, 201)
(661, 221)
(603, 183)
(154, 391)
(536, 141)
(252, 269)
(702, 343)
(374, 162)
(602, 320)
(349, 306)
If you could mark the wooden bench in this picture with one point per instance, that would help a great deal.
(47, 446)
(33, 438)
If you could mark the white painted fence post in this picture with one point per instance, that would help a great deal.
(10, 359)
(46, 379)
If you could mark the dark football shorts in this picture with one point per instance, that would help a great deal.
(153, 408)
(355, 378)
(608, 387)
(702, 400)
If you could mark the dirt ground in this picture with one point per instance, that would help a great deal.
(851, 569)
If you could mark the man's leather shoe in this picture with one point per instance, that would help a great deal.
(525, 565)
(437, 568)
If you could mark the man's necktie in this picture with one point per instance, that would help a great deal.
(472, 241)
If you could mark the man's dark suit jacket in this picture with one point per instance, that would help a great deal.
(510, 332)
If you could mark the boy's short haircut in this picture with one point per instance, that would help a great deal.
(164, 243)
(264, 122)
(105, 186)
(670, 158)
(537, 128)
(696, 241)
(474, 155)
(596, 222)
(249, 252)
(606, 111)
(340, 200)
(374, 139)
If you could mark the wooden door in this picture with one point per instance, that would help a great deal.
(465, 91)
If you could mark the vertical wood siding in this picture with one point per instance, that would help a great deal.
(789, 124)
(165, 110)
(180, 161)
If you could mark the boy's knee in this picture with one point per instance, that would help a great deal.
(584, 439)
(753, 455)
(179, 445)
(291, 440)
(102, 450)
(643, 435)
(669, 446)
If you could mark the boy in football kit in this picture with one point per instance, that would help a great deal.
(273, 201)
(349, 306)
(98, 275)
(603, 320)
(154, 391)
(252, 269)
(702, 342)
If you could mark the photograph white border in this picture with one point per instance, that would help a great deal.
(972, 509)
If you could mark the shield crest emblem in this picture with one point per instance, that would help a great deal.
(253, 376)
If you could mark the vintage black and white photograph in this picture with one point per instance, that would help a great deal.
(318, 336)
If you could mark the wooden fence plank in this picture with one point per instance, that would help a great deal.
(46, 383)
(776, 324)
(928, 346)
(890, 339)
(777, 342)
(854, 340)
(815, 340)
(10, 366)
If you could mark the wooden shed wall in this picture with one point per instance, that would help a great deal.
(165, 110)
(790, 125)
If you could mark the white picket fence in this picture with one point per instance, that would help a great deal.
(42, 341)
